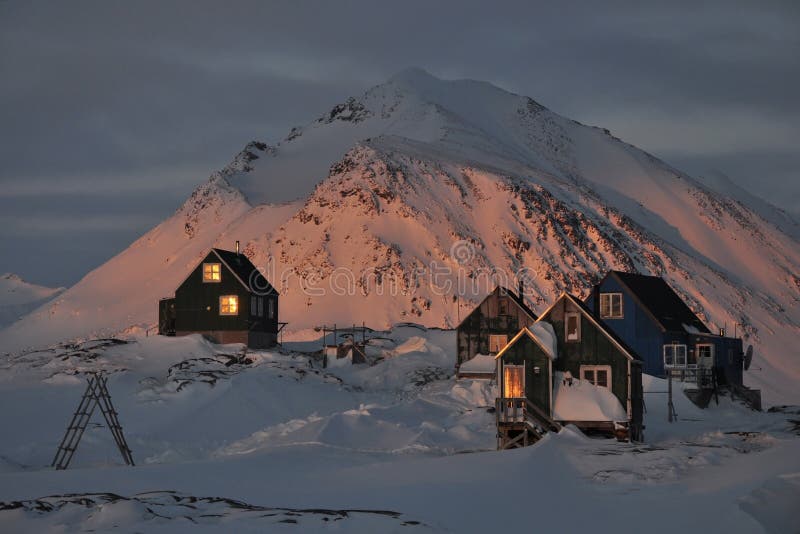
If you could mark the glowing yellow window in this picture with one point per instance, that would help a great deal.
(229, 305)
(211, 272)
(514, 381)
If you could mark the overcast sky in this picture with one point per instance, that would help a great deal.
(112, 112)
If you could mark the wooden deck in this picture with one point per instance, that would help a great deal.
(520, 423)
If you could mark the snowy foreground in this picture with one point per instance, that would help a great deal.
(279, 444)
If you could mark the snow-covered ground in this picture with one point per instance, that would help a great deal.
(277, 443)
(18, 297)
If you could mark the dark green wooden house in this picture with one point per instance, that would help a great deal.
(570, 355)
(226, 299)
(491, 324)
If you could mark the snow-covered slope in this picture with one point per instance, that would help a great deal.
(391, 204)
(18, 297)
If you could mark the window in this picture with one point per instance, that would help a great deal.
(212, 272)
(497, 342)
(674, 356)
(229, 305)
(611, 305)
(261, 306)
(502, 307)
(253, 305)
(705, 355)
(514, 381)
(572, 326)
(271, 303)
(599, 375)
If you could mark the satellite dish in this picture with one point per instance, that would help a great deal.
(748, 357)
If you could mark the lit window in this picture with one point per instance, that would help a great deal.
(674, 356)
(572, 327)
(611, 305)
(229, 305)
(514, 381)
(211, 272)
(497, 342)
(599, 375)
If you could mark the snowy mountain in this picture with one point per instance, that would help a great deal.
(18, 297)
(368, 213)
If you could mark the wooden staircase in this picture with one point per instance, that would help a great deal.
(520, 423)
(96, 394)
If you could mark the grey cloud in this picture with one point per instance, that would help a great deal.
(125, 101)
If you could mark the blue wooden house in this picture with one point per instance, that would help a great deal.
(653, 320)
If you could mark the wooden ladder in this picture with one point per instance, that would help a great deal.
(96, 394)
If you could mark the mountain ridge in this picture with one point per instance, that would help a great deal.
(388, 186)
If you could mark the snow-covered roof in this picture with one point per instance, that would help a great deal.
(544, 333)
(480, 364)
(583, 401)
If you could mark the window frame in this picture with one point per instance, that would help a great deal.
(223, 305)
(210, 279)
(502, 306)
(260, 306)
(610, 297)
(497, 337)
(674, 364)
(593, 369)
(567, 317)
(712, 351)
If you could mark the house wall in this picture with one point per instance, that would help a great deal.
(166, 316)
(538, 386)
(473, 333)
(197, 310)
(643, 334)
(728, 356)
(197, 302)
(637, 327)
(593, 348)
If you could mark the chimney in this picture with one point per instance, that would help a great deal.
(237, 247)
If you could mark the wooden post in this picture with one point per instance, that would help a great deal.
(671, 415)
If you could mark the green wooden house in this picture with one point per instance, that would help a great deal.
(226, 299)
(569, 367)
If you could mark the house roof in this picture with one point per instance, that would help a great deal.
(524, 331)
(661, 301)
(244, 270)
(520, 302)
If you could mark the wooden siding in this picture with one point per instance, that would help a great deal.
(644, 335)
(594, 348)
(538, 387)
(197, 304)
(637, 327)
(474, 331)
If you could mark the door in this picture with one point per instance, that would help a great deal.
(705, 363)
(514, 381)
